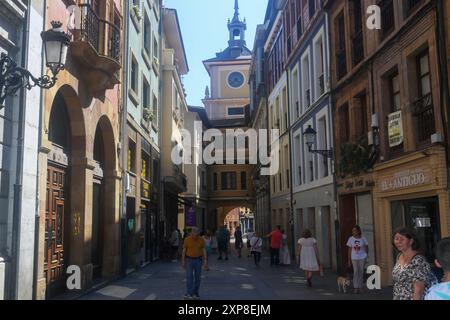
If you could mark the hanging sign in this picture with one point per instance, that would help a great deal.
(395, 129)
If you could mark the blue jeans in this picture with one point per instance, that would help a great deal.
(193, 275)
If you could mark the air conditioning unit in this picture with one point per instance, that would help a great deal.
(127, 182)
(437, 138)
(375, 121)
(370, 139)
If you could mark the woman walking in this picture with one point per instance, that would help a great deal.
(309, 255)
(412, 274)
(256, 243)
(285, 257)
(358, 251)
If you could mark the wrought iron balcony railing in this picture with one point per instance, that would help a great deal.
(424, 113)
(102, 35)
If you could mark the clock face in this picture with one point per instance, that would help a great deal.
(235, 79)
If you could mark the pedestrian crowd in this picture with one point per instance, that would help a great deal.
(413, 276)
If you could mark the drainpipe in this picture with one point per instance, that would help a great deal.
(444, 81)
(38, 195)
(124, 144)
(12, 276)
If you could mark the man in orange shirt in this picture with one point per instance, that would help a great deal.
(275, 245)
(192, 258)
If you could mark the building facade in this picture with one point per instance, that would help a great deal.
(196, 196)
(141, 136)
(278, 118)
(259, 120)
(388, 105)
(79, 169)
(305, 28)
(174, 106)
(351, 44)
(19, 126)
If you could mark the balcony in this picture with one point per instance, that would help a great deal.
(177, 181)
(424, 114)
(358, 48)
(96, 46)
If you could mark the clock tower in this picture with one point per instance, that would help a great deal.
(229, 72)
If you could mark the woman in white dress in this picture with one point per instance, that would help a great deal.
(285, 257)
(309, 255)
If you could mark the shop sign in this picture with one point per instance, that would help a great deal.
(406, 179)
(190, 216)
(423, 222)
(395, 129)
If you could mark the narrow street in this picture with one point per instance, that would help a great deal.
(235, 279)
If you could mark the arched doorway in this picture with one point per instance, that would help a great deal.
(103, 198)
(57, 211)
(98, 194)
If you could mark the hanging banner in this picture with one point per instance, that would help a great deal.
(395, 129)
(190, 216)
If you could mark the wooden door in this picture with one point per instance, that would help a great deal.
(55, 261)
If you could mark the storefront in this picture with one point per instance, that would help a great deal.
(412, 192)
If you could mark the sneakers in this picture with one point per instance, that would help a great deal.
(195, 297)
(187, 297)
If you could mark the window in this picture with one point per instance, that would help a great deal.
(145, 171)
(228, 181)
(423, 106)
(298, 159)
(243, 180)
(286, 159)
(411, 5)
(131, 156)
(319, 67)
(344, 132)
(155, 47)
(280, 179)
(341, 63)
(145, 93)
(361, 114)
(323, 145)
(284, 107)
(394, 92)
(147, 35)
(312, 8)
(155, 110)
(295, 94)
(299, 18)
(235, 111)
(134, 75)
(214, 182)
(357, 40)
(387, 17)
(306, 83)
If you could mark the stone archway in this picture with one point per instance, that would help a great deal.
(62, 213)
(105, 224)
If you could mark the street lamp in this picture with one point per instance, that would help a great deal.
(13, 78)
(310, 136)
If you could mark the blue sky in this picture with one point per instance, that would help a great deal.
(204, 28)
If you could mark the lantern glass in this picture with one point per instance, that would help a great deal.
(310, 135)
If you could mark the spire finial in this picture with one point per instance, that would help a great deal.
(236, 10)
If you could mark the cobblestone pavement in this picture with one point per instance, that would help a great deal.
(235, 279)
